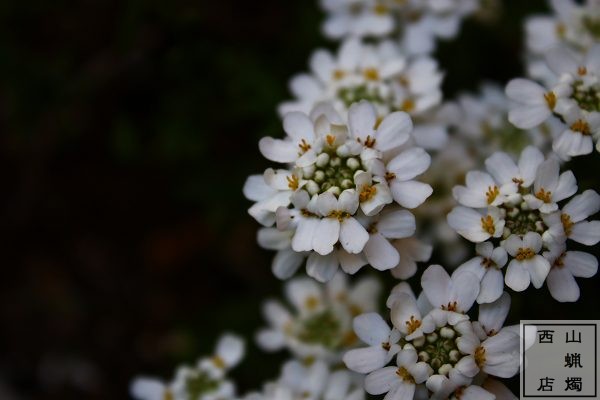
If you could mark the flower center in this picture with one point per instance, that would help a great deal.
(439, 349)
(519, 221)
(353, 94)
(198, 383)
(321, 328)
(543, 195)
(331, 173)
(587, 96)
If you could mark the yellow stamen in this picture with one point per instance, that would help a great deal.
(405, 375)
(381, 9)
(292, 182)
(524, 253)
(339, 215)
(338, 74)
(330, 139)
(561, 29)
(355, 310)
(386, 346)
(219, 362)
(304, 147)
(168, 395)
(487, 224)
(452, 306)
(582, 127)
(492, 193)
(367, 193)
(407, 105)
(389, 176)
(412, 324)
(479, 356)
(546, 197)
(550, 98)
(582, 70)
(371, 74)
(567, 224)
(311, 303)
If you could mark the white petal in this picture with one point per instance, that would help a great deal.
(322, 268)
(380, 253)
(517, 277)
(366, 360)
(492, 315)
(538, 268)
(286, 263)
(436, 285)
(361, 120)
(587, 233)
(502, 167)
(282, 151)
(561, 60)
(371, 329)
(353, 236)
(381, 381)
(397, 224)
(583, 205)
(230, 349)
(581, 264)
(526, 92)
(410, 194)
(298, 126)
(303, 238)
(409, 163)
(393, 131)
(562, 285)
(326, 235)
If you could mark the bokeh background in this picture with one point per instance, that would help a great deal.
(127, 128)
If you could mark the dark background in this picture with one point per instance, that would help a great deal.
(127, 129)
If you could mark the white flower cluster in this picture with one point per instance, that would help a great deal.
(342, 199)
(320, 326)
(566, 53)
(513, 211)
(206, 380)
(315, 381)
(572, 25)
(419, 22)
(380, 73)
(439, 353)
(354, 146)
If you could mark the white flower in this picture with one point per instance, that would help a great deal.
(399, 382)
(510, 176)
(412, 250)
(393, 223)
(492, 316)
(454, 294)
(533, 104)
(481, 191)
(401, 171)
(527, 265)
(576, 139)
(476, 226)
(150, 389)
(422, 21)
(487, 266)
(382, 342)
(497, 355)
(204, 382)
(550, 188)
(566, 265)
(321, 324)
(570, 221)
